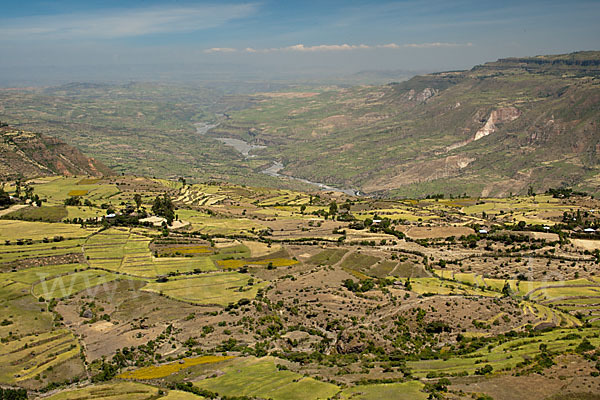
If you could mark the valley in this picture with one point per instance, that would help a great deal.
(282, 294)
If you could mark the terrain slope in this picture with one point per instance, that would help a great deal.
(28, 154)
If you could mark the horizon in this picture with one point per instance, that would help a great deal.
(51, 43)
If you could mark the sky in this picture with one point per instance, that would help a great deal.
(107, 38)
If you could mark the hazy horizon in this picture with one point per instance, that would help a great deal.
(49, 43)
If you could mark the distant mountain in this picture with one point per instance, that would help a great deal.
(27, 155)
(493, 130)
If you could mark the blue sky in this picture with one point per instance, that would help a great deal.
(349, 35)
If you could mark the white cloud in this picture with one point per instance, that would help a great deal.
(124, 22)
(220, 50)
(338, 47)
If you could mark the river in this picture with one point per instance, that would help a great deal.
(245, 148)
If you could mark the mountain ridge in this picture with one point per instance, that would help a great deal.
(25, 154)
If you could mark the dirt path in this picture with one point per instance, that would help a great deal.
(12, 208)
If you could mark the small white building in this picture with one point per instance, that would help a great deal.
(483, 232)
(589, 230)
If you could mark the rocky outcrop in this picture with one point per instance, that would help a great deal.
(501, 115)
(421, 96)
(27, 155)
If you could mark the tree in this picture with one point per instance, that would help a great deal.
(333, 208)
(138, 200)
(4, 198)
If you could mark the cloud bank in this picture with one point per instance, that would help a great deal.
(336, 47)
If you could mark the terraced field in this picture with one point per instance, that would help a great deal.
(124, 251)
(503, 356)
(30, 356)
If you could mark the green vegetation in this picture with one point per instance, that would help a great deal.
(261, 378)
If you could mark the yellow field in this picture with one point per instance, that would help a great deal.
(78, 193)
(13, 230)
(160, 371)
(277, 262)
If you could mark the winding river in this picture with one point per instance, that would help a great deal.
(245, 148)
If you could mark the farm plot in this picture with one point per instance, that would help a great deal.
(327, 257)
(42, 214)
(261, 378)
(504, 356)
(399, 391)
(123, 251)
(35, 274)
(22, 316)
(29, 356)
(441, 287)
(274, 262)
(215, 288)
(57, 190)
(161, 371)
(120, 390)
(205, 223)
(67, 285)
(547, 315)
(16, 252)
(37, 231)
(358, 262)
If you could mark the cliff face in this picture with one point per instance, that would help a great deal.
(27, 154)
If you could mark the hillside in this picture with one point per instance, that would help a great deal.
(495, 129)
(257, 293)
(498, 128)
(28, 154)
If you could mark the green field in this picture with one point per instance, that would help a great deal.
(327, 257)
(122, 250)
(109, 391)
(503, 356)
(57, 190)
(214, 288)
(15, 252)
(14, 230)
(68, 285)
(398, 391)
(261, 378)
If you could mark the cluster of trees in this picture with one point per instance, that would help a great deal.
(564, 193)
(5, 200)
(359, 287)
(13, 394)
(163, 207)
